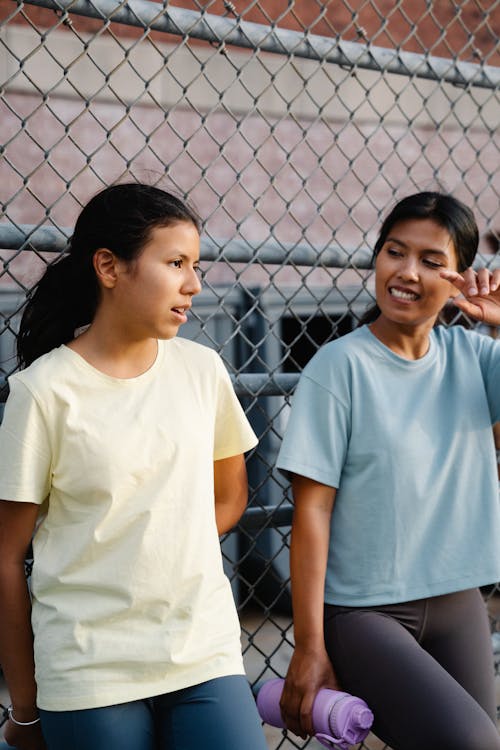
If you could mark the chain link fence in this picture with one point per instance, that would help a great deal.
(292, 126)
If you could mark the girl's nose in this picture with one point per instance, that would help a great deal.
(192, 283)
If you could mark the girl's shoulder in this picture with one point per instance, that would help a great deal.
(42, 372)
(189, 350)
(193, 356)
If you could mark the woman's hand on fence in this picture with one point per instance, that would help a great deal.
(481, 293)
(307, 674)
(24, 738)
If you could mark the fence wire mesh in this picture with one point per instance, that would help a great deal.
(292, 125)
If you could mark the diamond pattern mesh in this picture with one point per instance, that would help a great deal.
(292, 125)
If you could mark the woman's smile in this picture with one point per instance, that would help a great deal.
(402, 294)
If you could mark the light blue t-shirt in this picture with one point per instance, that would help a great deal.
(409, 447)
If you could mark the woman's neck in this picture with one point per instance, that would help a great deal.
(409, 342)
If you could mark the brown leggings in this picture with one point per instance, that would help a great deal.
(425, 668)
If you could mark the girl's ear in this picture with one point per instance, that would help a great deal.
(106, 267)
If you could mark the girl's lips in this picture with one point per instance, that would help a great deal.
(180, 312)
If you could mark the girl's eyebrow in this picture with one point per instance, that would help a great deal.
(433, 250)
(183, 256)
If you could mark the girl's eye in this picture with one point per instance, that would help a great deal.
(432, 263)
(176, 263)
(394, 253)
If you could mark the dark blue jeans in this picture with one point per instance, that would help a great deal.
(216, 715)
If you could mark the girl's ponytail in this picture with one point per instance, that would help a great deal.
(64, 299)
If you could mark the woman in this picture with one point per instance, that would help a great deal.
(134, 441)
(397, 520)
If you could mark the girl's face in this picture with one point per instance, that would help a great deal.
(154, 293)
(408, 287)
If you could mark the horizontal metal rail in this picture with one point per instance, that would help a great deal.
(272, 516)
(227, 31)
(44, 239)
(55, 240)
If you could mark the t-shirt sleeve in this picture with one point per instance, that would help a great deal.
(489, 358)
(317, 433)
(233, 433)
(25, 456)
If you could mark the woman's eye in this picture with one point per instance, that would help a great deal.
(394, 253)
(432, 263)
(176, 263)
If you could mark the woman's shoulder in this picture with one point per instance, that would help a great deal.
(458, 337)
(343, 350)
(332, 366)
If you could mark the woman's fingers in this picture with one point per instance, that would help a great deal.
(454, 278)
(495, 280)
(483, 278)
(474, 283)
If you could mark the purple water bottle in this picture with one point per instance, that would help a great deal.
(339, 719)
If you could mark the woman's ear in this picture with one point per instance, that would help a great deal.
(105, 267)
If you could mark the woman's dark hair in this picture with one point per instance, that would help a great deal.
(119, 218)
(447, 211)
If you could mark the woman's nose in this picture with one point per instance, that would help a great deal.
(409, 270)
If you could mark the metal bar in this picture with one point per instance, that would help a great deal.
(271, 516)
(32, 237)
(55, 240)
(265, 384)
(223, 31)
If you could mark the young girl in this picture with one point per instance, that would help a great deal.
(397, 519)
(134, 441)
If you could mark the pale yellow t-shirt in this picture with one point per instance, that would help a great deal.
(129, 596)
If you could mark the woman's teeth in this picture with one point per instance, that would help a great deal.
(400, 294)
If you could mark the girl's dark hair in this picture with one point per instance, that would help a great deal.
(445, 210)
(119, 218)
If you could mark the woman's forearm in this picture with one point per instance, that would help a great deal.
(308, 560)
(310, 668)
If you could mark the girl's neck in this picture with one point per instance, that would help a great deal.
(113, 355)
(409, 342)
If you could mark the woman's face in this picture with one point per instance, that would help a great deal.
(408, 287)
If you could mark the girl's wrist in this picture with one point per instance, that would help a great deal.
(26, 717)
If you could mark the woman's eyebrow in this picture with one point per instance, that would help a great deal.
(434, 250)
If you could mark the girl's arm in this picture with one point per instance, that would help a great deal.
(17, 523)
(310, 668)
(231, 491)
